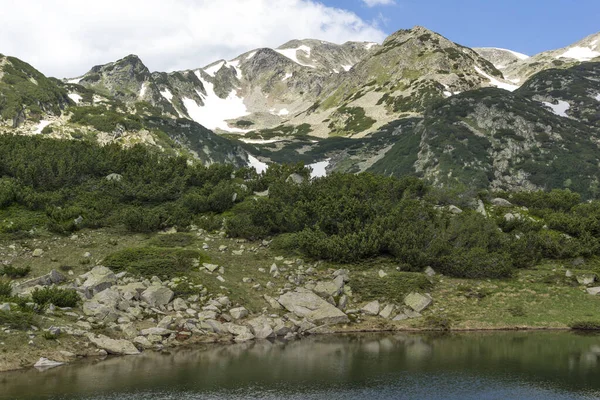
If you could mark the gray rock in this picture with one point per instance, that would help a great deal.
(52, 278)
(112, 346)
(238, 313)
(156, 331)
(180, 305)
(38, 253)
(594, 291)
(586, 279)
(400, 317)
(44, 364)
(481, 208)
(241, 333)
(371, 308)
(429, 271)
(157, 296)
(100, 311)
(261, 328)
(114, 177)
(5, 307)
(499, 202)
(388, 311)
(417, 301)
(295, 178)
(382, 273)
(142, 342)
(210, 267)
(454, 210)
(274, 304)
(306, 304)
(99, 279)
(330, 288)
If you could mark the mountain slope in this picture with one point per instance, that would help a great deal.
(26, 94)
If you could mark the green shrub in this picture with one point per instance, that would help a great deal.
(151, 261)
(437, 323)
(517, 310)
(17, 319)
(5, 290)
(15, 272)
(585, 325)
(57, 296)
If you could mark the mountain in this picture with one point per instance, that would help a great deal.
(26, 94)
(587, 49)
(417, 104)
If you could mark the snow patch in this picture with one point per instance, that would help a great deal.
(347, 67)
(292, 54)
(496, 82)
(319, 169)
(598, 97)
(258, 165)
(335, 71)
(580, 54)
(75, 97)
(143, 89)
(260, 141)
(75, 80)
(447, 94)
(212, 70)
(43, 123)
(520, 56)
(283, 111)
(236, 65)
(287, 76)
(249, 56)
(167, 94)
(369, 46)
(559, 109)
(216, 110)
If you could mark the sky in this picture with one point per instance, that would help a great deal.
(65, 38)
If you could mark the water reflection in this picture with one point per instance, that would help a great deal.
(475, 365)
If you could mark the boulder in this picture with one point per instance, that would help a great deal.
(382, 273)
(330, 288)
(274, 304)
(261, 328)
(109, 297)
(156, 331)
(429, 271)
(388, 311)
(418, 302)
(238, 313)
(5, 307)
(132, 291)
(371, 308)
(454, 210)
(142, 342)
(306, 304)
(241, 333)
(586, 279)
(51, 278)
(594, 291)
(114, 177)
(112, 346)
(157, 296)
(98, 279)
(100, 311)
(499, 202)
(295, 178)
(44, 363)
(179, 305)
(210, 267)
(38, 253)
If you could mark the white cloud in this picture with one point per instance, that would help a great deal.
(65, 38)
(373, 3)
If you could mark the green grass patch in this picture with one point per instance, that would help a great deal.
(154, 261)
(393, 287)
(585, 325)
(15, 272)
(178, 239)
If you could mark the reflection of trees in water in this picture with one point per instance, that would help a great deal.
(561, 358)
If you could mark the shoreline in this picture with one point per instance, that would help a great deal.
(225, 341)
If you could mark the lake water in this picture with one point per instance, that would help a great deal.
(517, 365)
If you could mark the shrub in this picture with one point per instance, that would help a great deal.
(585, 325)
(5, 290)
(15, 272)
(150, 261)
(17, 320)
(437, 323)
(517, 310)
(57, 296)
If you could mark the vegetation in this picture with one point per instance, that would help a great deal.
(151, 261)
(15, 272)
(56, 296)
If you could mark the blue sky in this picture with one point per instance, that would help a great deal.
(528, 26)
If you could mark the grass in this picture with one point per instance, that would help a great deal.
(394, 287)
(178, 239)
(17, 320)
